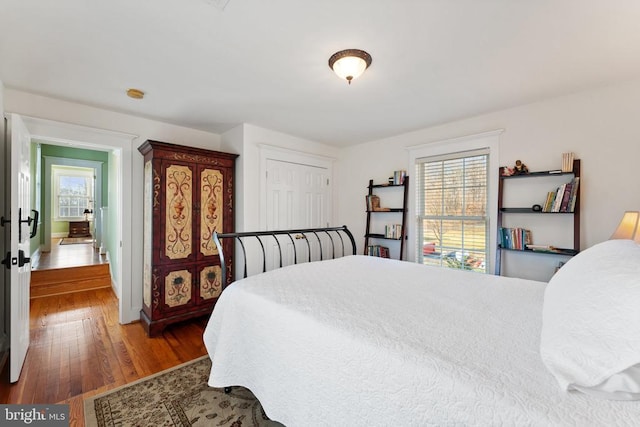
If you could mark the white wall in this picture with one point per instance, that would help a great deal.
(600, 126)
(42, 107)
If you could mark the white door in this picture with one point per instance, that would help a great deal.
(297, 197)
(20, 269)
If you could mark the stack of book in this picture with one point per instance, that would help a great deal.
(398, 177)
(563, 199)
(515, 238)
(393, 231)
(377, 250)
(567, 162)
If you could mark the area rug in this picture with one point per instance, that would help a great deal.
(76, 240)
(178, 396)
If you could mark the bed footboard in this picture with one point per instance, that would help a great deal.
(302, 245)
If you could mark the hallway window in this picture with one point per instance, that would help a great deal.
(73, 192)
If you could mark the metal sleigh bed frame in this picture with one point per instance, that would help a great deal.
(326, 247)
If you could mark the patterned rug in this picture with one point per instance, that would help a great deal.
(76, 240)
(178, 396)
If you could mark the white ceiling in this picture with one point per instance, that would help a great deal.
(264, 62)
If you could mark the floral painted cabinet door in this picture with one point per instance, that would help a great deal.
(212, 218)
(188, 194)
(179, 195)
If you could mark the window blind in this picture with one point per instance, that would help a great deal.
(452, 210)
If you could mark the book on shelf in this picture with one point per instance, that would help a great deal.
(563, 199)
(515, 238)
(377, 250)
(566, 197)
(558, 201)
(574, 194)
(551, 196)
(393, 231)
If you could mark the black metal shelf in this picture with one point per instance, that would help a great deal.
(529, 211)
(403, 210)
(555, 251)
(386, 185)
(537, 174)
(386, 210)
(379, 236)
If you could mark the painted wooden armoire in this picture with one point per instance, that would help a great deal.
(188, 194)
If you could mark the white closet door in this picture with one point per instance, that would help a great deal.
(297, 197)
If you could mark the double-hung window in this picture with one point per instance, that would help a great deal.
(73, 192)
(452, 206)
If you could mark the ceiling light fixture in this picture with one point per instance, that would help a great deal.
(135, 93)
(350, 63)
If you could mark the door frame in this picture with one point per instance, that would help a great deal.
(120, 145)
(271, 152)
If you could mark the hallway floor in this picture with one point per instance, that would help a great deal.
(62, 256)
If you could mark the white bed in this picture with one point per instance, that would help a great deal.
(365, 341)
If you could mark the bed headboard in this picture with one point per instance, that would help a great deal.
(319, 244)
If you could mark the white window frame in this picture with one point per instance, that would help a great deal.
(486, 140)
(421, 216)
(59, 171)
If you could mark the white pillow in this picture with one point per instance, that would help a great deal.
(591, 322)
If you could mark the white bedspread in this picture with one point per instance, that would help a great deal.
(365, 341)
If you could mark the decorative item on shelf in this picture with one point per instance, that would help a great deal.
(506, 171)
(373, 202)
(520, 168)
(629, 227)
(391, 180)
(567, 162)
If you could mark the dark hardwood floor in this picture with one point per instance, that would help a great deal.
(78, 349)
